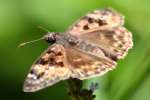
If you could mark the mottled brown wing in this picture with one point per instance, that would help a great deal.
(84, 66)
(48, 69)
(105, 29)
(98, 19)
(115, 41)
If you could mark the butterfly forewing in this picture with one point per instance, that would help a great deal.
(48, 69)
(98, 19)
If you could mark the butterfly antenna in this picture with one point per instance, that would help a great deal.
(24, 43)
(42, 28)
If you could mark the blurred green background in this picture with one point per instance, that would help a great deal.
(19, 20)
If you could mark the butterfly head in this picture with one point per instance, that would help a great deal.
(51, 37)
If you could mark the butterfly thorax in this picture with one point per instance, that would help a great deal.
(66, 40)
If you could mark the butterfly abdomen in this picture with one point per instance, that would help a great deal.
(84, 46)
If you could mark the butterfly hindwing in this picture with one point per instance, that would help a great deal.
(84, 66)
(115, 42)
(48, 69)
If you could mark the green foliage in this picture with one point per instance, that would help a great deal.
(19, 20)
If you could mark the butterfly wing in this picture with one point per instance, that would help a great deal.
(105, 29)
(98, 19)
(115, 42)
(84, 66)
(48, 69)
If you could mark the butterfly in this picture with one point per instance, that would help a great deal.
(89, 48)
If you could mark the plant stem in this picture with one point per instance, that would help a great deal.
(75, 86)
(77, 93)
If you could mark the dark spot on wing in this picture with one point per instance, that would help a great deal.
(101, 22)
(59, 54)
(61, 64)
(114, 58)
(40, 75)
(120, 45)
(51, 59)
(50, 51)
(85, 27)
(42, 61)
(115, 50)
(123, 42)
(125, 50)
(90, 20)
(32, 71)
